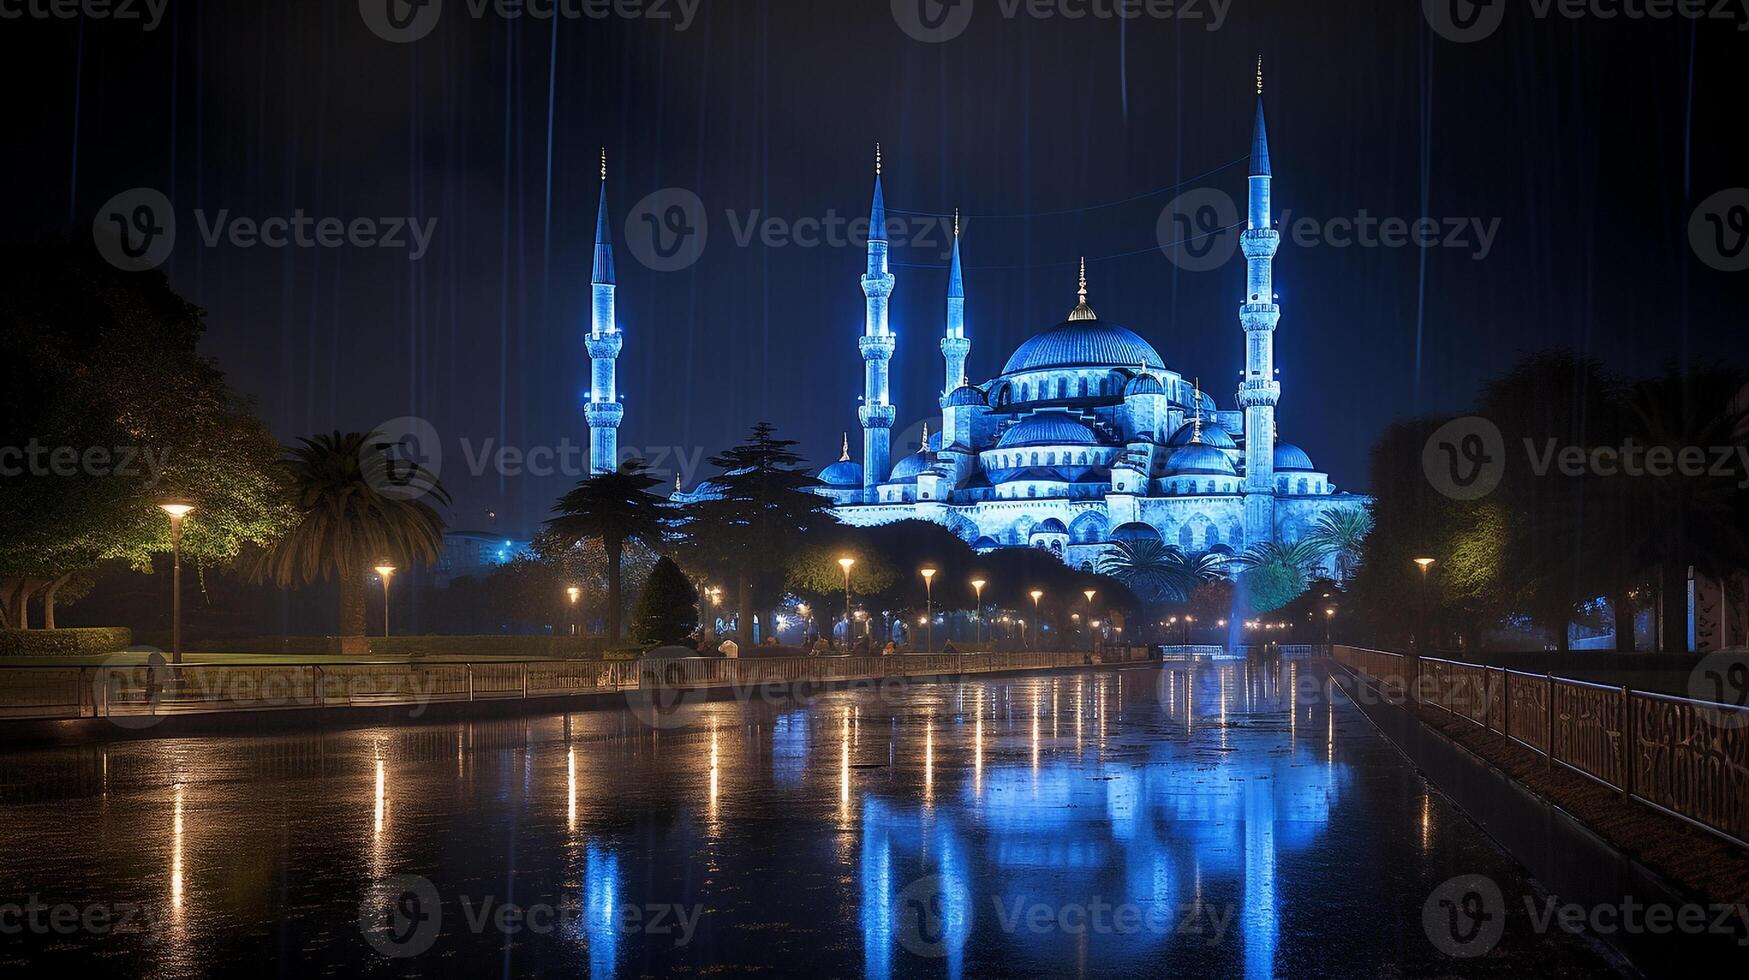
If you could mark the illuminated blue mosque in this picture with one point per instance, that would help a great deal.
(1087, 437)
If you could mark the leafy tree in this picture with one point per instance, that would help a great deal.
(345, 524)
(759, 513)
(1270, 585)
(101, 383)
(667, 612)
(614, 508)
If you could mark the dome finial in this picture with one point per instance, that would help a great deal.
(846, 457)
(1082, 311)
(604, 163)
(877, 158)
(1259, 74)
(925, 447)
(956, 222)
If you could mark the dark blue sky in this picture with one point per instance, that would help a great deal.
(1589, 141)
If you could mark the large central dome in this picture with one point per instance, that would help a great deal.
(1084, 343)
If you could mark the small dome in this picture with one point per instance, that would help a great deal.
(1051, 429)
(907, 469)
(1135, 531)
(963, 395)
(1291, 457)
(1147, 384)
(985, 543)
(844, 473)
(1050, 525)
(1199, 459)
(1083, 343)
(1212, 435)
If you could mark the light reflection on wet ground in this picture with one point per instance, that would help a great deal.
(1149, 821)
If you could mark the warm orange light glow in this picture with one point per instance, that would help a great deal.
(177, 511)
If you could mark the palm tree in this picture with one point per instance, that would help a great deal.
(345, 524)
(1156, 570)
(1342, 534)
(1303, 556)
(614, 508)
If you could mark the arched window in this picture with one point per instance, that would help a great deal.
(1062, 387)
(1186, 540)
(1050, 459)
(1083, 387)
(1083, 457)
(1302, 487)
(1032, 489)
(1023, 392)
(1035, 459)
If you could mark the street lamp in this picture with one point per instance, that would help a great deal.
(1090, 593)
(1038, 617)
(384, 571)
(845, 564)
(177, 511)
(807, 615)
(573, 592)
(978, 587)
(929, 604)
(1425, 563)
(1329, 614)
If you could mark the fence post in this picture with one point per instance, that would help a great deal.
(1627, 742)
(1549, 741)
(525, 681)
(1506, 704)
(319, 684)
(470, 671)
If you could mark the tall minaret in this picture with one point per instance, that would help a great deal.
(604, 411)
(1259, 391)
(955, 346)
(876, 344)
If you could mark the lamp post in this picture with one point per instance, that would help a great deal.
(573, 592)
(1425, 563)
(177, 511)
(845, 564)
(978, 587)
(384, 571)
(929, 604)
(1329, 614)
(807, 615)
(1037, 617)
(1090, 593)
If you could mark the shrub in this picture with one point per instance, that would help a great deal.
(668, 610)
(89, 642)
(1271, 585)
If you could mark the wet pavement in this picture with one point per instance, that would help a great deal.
(1220, 821)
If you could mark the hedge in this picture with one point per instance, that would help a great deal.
(364, 647)
(86, 642)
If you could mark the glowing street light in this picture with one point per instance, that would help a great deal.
(1037, 616)
(384, 571)
(845, 564)
(573, 592)
(177, 510)
(978, 587)
(1425, 563)
(929, 603)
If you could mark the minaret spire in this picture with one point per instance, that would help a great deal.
(1082, 311)
(604, 411)
(1196, 419)
(1259, 392)
(955, 345)
(846, 457)
(876, 345)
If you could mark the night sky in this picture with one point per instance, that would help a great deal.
(1590, 141)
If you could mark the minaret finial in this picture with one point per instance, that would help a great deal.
(604, 163)
(677, 483)
(925, 447)
(877, 158)
(956, 222)
(846, 457)
(1259, 74)
(1082, 311)
(1196, 419)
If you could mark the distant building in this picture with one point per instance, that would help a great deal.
(474, 553)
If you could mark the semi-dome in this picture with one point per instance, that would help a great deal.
(1146, 384)
(1081, 344)
(1291, 457)
(844, 473)
(963, 395)
(1049, 429)
(1050, 525)
(1135, 531)
(906, 470)
(1199, 459)
(1212, 435)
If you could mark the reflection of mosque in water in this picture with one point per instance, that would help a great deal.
(1178, 831)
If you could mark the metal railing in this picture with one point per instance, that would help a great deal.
(1684, 756)
(126, 691)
